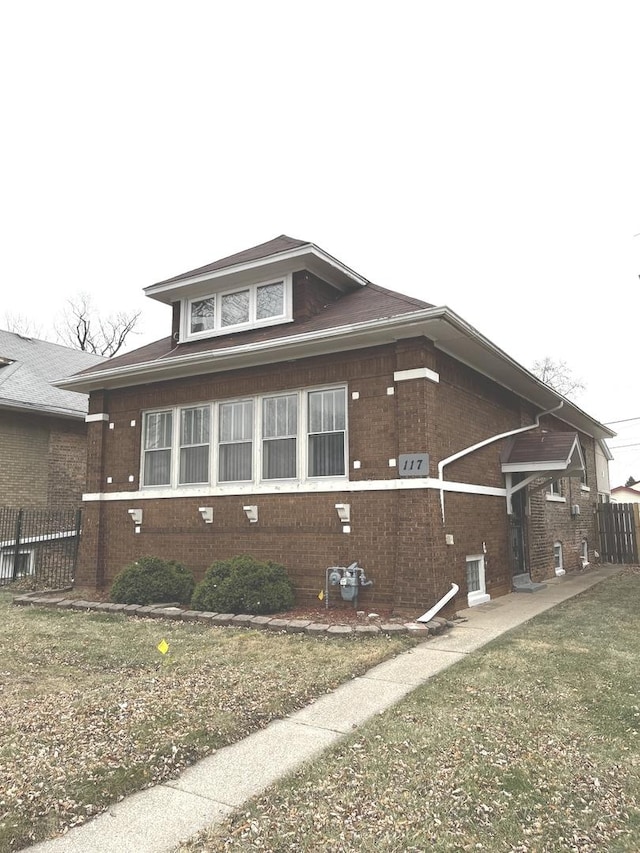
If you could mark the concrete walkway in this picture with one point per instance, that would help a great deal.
(158, 819)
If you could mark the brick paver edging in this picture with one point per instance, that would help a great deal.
(291, 626)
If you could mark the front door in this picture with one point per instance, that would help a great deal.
(516, 532)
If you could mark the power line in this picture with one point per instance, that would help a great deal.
(623, 421)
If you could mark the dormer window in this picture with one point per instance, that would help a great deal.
(261, 304)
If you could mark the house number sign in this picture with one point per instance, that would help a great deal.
(413, 465)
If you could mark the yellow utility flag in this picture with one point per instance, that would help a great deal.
(321, 594)
(163, 647)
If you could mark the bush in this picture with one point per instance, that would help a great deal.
(244, 585)
(151, 579)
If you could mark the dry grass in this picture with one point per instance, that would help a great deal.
(528, 746)
(90, 710)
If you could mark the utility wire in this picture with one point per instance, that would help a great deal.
(623, 421)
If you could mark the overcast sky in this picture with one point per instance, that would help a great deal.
(480, 155)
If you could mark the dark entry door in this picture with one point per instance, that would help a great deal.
(516, 532)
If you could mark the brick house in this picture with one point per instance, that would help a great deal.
(300, 413)
(43, 452)
(42, 427)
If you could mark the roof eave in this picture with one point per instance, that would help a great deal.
(449, 332)
(316, 260)
(47, 411)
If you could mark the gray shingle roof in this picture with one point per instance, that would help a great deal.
(28, 367)
(263, 250)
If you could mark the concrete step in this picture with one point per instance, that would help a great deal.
(523, 583)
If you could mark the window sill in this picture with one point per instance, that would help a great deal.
(555, 498)
(190, 337)
(584, 488)
(475, 598)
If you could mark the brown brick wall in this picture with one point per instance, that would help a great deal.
(397, 535)
(552, 521)
(42, 461)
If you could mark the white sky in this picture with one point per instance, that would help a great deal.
(483, 155)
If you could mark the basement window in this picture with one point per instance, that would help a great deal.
(7, 562)
(476, 586)
(557, 558)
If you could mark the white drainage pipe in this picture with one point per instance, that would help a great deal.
(428, 616)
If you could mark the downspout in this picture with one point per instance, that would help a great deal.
(428, 616)
(484, 443)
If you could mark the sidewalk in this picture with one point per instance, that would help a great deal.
(158, 819)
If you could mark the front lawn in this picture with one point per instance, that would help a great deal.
(90, 709)
(530, 745)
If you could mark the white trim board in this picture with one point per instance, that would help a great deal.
(416, 373)
(298, 488)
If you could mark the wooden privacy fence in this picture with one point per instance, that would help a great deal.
(618, 526)
(39, 545)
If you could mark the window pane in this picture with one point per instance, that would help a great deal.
(235, 308)
(327, 410)
(270, 300)
(280, 416)
(327, 419)
(326, 454)
(24, 566)
(203, 315)
(236, 421)
(194, 426)
(279, 459)
(235, 462)
(315, 411)
(157, 432)
(158, 429)
(157, 468)
(557, 555)
(473, 575)
(194, 464)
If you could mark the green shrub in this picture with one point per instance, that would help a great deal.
(151, 579)
(244, 585)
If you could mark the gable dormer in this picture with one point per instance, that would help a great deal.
(253, 289)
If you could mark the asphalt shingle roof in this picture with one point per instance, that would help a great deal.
(28, 366)
(367, 303)
(263, 250)
(540, 447)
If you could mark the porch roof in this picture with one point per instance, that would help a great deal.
(544, 453)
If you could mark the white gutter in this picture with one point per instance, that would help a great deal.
(428, 616)
(164, 364)
(484, 443)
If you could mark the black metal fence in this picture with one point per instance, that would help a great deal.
(39, 546)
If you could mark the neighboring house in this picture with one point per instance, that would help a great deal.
(42, 427)
(300, 413)
(625, 495)
(603, 457)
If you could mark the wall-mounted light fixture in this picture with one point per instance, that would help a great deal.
(207, 514)
(252, 513)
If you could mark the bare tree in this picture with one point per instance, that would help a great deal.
(559, 376)
(22, 325)
(83, 328)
